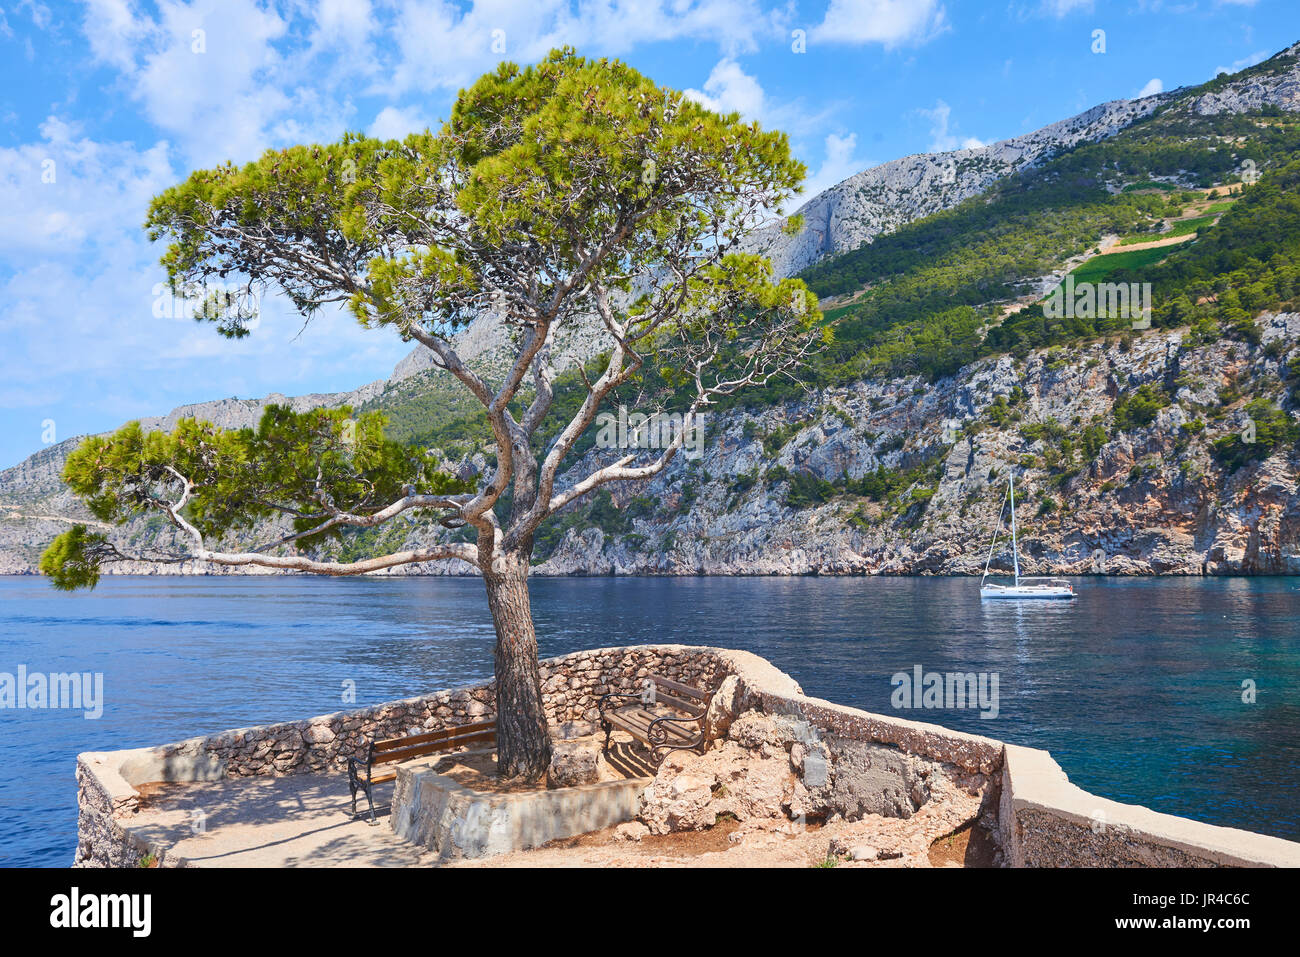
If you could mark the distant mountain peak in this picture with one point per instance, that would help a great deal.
(883, 198)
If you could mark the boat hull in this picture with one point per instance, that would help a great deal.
(1025, 591)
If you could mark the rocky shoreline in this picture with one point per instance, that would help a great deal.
(1152, 499)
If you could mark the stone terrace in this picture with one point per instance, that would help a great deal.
(788, 778)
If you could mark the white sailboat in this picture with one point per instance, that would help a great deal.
(1023, 587)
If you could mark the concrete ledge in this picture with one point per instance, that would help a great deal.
(1044, 820)
(1047, 821)
(148, 766)
(434, 811)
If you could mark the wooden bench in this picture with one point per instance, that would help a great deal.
(393, 751)
(665, 715)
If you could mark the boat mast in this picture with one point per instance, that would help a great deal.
(992, 545)
(1015, 554)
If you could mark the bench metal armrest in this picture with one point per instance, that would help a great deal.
(658, 735)
(600, 705)
(355, 764)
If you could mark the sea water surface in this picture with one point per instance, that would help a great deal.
(1136, 687)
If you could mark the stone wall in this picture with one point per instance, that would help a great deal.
(1040, 819)
(571, 687)
(102, 798)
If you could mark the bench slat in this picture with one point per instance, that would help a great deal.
(432, 747)
(441, 734)
(628, 721)
(637, 722)
(680, 709)
(689, 707)
(687, 690)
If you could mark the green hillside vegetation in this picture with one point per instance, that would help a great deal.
(1273, 428)
(433, 411)
(1248, 263)
(1215, 208)
(937, 282)
(1150, 184)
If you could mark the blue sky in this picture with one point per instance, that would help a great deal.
(107, 102)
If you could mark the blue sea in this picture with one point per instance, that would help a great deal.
(1136, 687)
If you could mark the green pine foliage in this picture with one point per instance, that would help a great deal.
(1272, 428)
(288, 465)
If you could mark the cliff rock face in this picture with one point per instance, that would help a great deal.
(1280, 89)
(1153, 500)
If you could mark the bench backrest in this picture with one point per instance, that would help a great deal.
(682, 697)
(444, 739)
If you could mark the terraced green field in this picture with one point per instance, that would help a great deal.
(1099, 267)
(1181, 228)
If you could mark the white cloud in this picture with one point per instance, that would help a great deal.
(394, 123)
(1061, 8)
(841, 161)
(39, 13)
(64, 192)
(212, 74)
(442, 46)
(343, 22)
(1237, 65)
(941, 137)
(217, 101)
(347, 28)
(113, 28)
(1153, 86)
(729, 88)
(891, 23)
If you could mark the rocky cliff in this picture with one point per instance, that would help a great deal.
(1147, 500)
(1150, 500)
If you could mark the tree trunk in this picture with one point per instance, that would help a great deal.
(523, 742)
